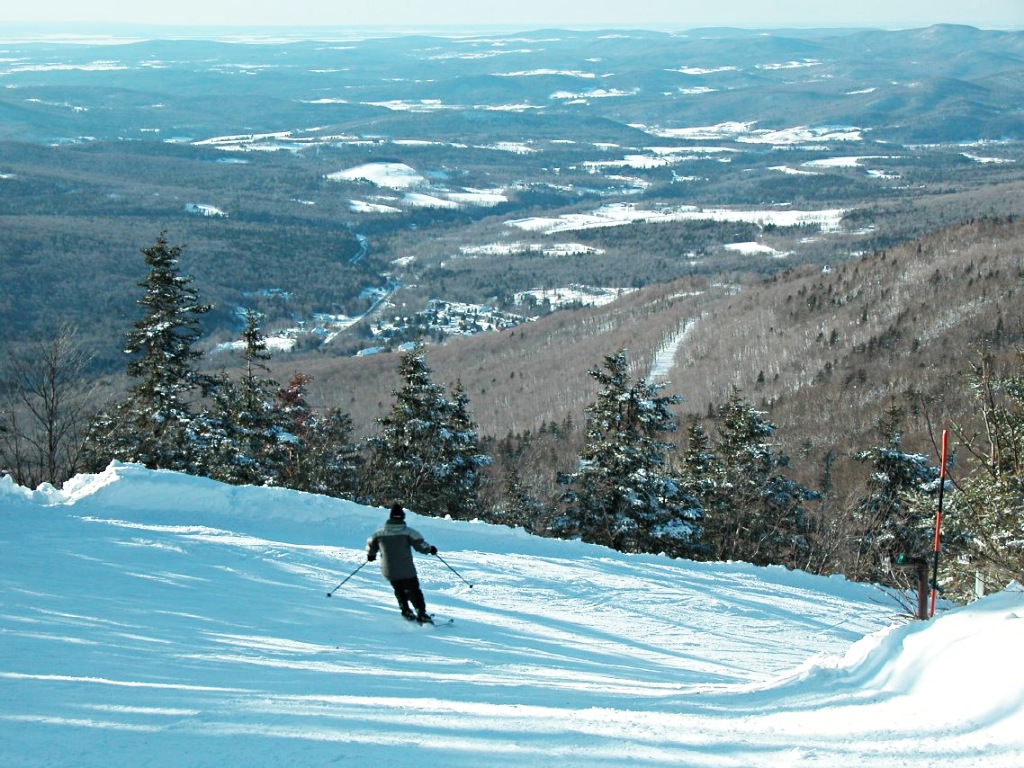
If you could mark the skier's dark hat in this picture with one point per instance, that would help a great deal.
(397, 513)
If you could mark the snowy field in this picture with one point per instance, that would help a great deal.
(622, 214)
(153, 619)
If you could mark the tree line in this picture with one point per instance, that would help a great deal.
(724, 493)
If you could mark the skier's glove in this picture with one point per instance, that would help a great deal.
(370, 558)
(433, 550)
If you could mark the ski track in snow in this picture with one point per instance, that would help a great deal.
(148, 618)
(666, 355)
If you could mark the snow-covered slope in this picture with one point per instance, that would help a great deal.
(153, 619)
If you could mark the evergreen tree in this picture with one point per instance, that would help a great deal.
(763, 520)
(622, 495)
(320, 455)
(426, 455)
(897, 514)
(520, 508)
(296, 417)
(246, 433)
(463, 454)
(155, 425)
(332, 461)
(702, 476)
(292, 404)
(223, 453)
(986, 518)
(256, 387)
(262, 426)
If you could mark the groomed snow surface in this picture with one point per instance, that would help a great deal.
(154, 619)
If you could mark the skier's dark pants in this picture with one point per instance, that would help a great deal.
(407, 590)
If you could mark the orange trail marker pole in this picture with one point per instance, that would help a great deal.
(938, 521)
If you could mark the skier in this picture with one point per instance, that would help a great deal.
(395, 541)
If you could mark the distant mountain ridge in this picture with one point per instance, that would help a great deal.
(750, 78)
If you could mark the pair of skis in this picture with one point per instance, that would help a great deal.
(433, 621)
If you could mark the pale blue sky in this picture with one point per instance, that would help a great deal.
(526, 14)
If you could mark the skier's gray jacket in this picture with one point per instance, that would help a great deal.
(395, 542)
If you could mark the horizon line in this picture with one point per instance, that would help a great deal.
(55, 31)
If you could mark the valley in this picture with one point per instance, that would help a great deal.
(338, 184)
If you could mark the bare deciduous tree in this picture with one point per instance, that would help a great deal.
(47, 396)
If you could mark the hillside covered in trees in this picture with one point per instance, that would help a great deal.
(811, 440)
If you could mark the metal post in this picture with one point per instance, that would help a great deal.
(921, 566)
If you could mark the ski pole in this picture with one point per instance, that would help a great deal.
(357, 570)
(453, 570)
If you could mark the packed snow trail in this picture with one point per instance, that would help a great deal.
(150, 618)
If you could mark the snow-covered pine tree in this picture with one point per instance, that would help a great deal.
(520, 508)
(622, 494)
(256, 386)
(702, 476)
(332, 461)
(986, 516)
(898, 513)
(426, 454)
(763, 520)
(155, 424)
(221, 439)
(246, 430)
(465, 456)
